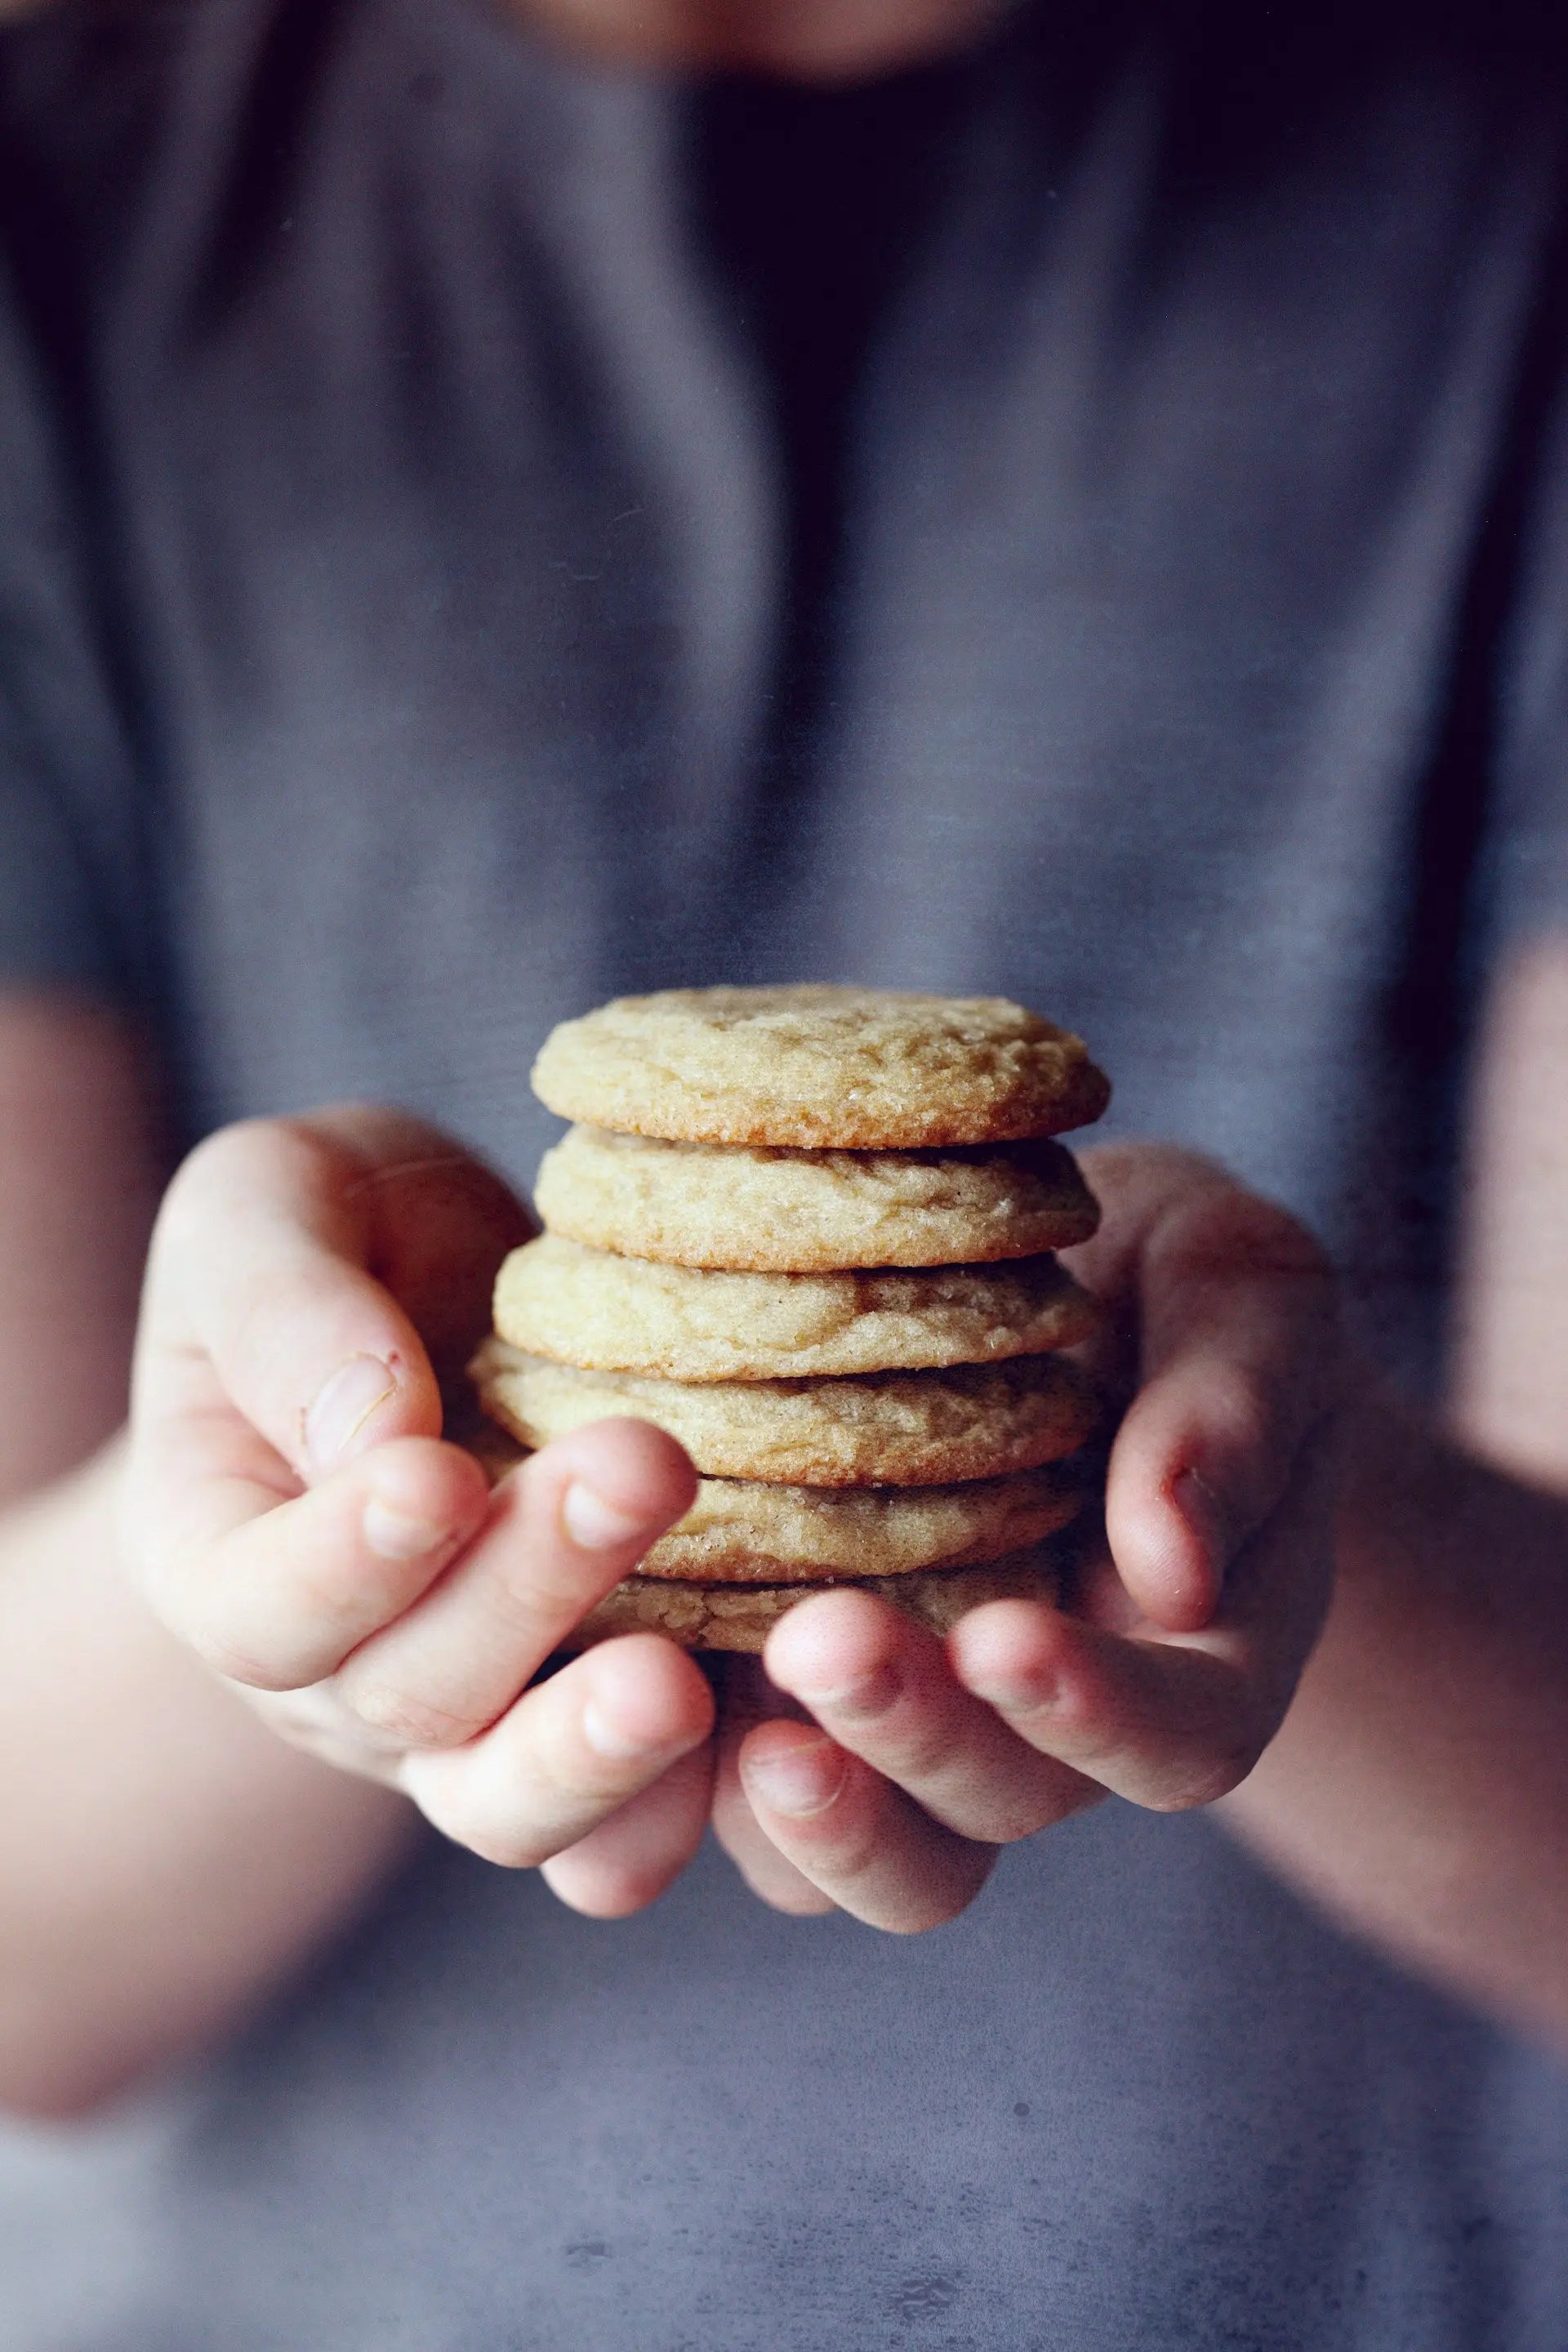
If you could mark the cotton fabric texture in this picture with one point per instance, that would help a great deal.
(481, 533)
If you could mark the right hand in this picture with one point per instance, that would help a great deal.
(292, 1512)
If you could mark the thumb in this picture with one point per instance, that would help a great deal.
(1238, 1354)
(260, 1297)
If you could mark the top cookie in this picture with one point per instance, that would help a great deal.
(853, 1069)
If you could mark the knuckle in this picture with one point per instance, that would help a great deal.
(525, 1605)
(1238, 1409)
(925, 1753)
(1231, 1225)
(295, 1147)
(487, 1822)
(202, 1166)
(843, 1856)
(402, 1716)
(266, 1305)
(235, 1660)
(304, 1714)
(308, 1719)
(1227, 1235)
(510, 1845)
(230, 1170)
(1008, 1821)
(212, 1167)
(581, 1783)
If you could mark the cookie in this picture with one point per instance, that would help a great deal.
(762, 1209)
(883, 1429)
(857, 1069)
(740, 1616)
(495, 1449)
(604, 1312)
(740, 1531)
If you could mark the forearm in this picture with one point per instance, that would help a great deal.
(1419, 1787)
(165, 1859)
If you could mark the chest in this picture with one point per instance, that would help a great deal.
(469, 571)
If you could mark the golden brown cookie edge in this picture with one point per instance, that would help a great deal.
(951, 1238)
(739, 1618)
(1066, 1317)
(979, 1454)
(1062, 1089)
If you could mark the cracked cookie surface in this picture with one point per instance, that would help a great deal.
(606, 1313)
(822, 1067)
(740, 1617)
(766, 1209)
(893, 1429)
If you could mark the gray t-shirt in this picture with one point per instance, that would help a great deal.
(1085, 521)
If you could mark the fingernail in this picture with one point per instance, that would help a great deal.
(1200, 1506)
(801, 1779)
(343, 1403)
(859, 1702)
(396, 1535)
(605, 1740)
(595, 1524)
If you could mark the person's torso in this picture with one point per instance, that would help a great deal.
(514, 593)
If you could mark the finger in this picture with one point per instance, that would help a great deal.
(854, 1835)
(882, 1686)
(276, 1593)
(440, 1221)
(1173, 1721)
(565, 1528)
(270, 1354)
(1238, 1348)
(628, 1861)
(259, 1303)
(271, 1278)
(1162, 1725)
(568, 1755)
(746, 1700)
(769, 1873)
(1134, 1184)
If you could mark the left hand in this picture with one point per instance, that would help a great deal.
(896, 1764)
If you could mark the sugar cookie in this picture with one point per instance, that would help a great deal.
(604, 1313)
(765, 1209)
(836, 1069)
(892, 1429)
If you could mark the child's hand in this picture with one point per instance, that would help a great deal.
(1181, 1648)
(292, 1514)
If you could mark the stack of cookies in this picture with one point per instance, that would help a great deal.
(810, 1232)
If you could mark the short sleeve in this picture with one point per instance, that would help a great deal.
(70, 851)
